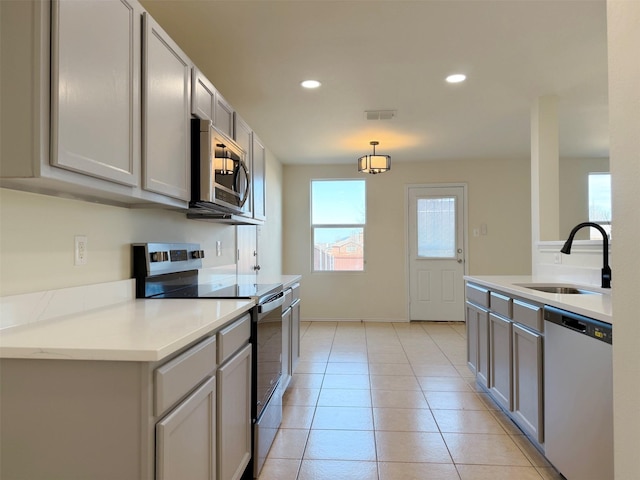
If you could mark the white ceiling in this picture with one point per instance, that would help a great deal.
(395, 55)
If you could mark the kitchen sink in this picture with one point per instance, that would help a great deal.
(559, 289)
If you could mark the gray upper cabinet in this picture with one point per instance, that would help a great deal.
(167, 114)
(258, 180)
(98, 102)
(203, 96)
(95, 99)
(223, 115)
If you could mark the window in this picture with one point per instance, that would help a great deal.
(600, 202)
(338, 215)
(436, 227)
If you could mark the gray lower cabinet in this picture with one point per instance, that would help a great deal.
(295, 335)
(186, 438)
(286, 349)
(500, 365)
(185, 417)
(505, 343)
(234, 401)
(528, 394)
(478, 341)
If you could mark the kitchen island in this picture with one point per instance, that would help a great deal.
(545, 357)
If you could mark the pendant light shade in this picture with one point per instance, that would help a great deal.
(374, 163)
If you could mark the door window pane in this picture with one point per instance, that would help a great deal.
(436, 230)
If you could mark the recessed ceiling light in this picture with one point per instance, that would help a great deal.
(456, 78)
(310, 84)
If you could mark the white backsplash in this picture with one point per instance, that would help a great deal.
(583, 266)
(46, 305)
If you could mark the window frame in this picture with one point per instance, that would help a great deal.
(313, 227)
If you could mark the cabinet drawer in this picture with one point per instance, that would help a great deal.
(501, 304)
(477, 295)
(176, 378)
(288, 299)
(231, 338)
(528, 314)
(295, 290)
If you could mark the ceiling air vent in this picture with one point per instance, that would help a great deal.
(380, 114)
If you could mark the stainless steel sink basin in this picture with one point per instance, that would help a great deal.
(560, 289)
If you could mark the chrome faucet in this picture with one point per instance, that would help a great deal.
(606, 270)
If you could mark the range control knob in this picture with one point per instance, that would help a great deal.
(159, 256)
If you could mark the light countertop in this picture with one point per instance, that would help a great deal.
(590, 305)
(136, 330)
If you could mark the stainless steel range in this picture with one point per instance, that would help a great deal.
(172, 270)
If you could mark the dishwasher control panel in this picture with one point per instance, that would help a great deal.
(587, 326)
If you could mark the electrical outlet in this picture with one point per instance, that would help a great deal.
(80, 250)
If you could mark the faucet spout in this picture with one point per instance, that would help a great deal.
(606, 270)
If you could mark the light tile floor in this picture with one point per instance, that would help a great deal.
(394, 401)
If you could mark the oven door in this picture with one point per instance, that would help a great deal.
(268, 351)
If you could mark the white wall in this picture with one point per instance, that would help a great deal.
(499, 196)
(36, 238)
(623, 30)
(574, 192)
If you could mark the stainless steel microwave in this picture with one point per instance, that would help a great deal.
(220, 177)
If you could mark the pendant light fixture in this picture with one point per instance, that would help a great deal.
(374, 163)
(223, 163)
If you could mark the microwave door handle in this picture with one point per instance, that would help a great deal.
(242, 165)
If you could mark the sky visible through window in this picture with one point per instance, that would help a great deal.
(600, 197)
(337, 202)
(338, 215)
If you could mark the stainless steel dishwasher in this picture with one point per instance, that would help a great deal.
(578, 395)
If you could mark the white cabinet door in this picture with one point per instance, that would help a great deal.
(223, 115)
(234, 415)
(259, 179)
(528, 403)
(95, 91)
(500, 360)
(186, 438)
(167, 112)
(244, 138)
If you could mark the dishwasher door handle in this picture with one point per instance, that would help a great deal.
(574, 324)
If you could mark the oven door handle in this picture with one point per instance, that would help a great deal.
(272, 304)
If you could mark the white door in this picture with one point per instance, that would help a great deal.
(436, 252)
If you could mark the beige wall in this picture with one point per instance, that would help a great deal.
(574, 192)
(36, 238)
(623, 30)
(499, 196)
